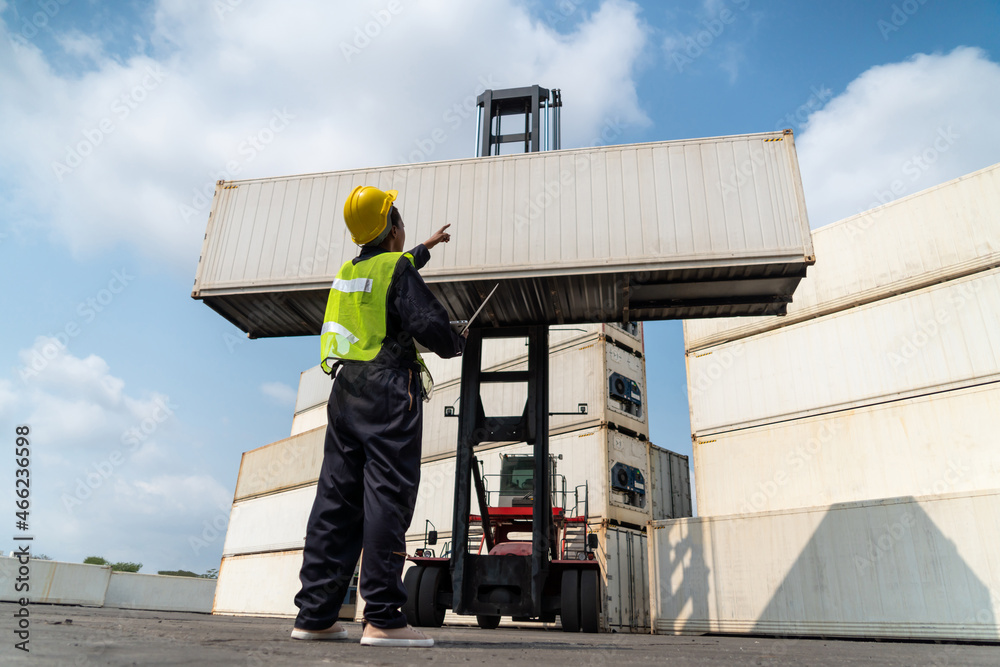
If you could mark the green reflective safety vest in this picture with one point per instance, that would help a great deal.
(354, 326)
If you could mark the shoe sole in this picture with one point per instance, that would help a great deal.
(312, 635)
(398, 643)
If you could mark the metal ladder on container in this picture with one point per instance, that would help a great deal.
(574, 537)
(574, 540)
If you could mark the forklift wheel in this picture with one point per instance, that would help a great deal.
(487, 622)
(411, 582)
(570, 613)
(590, 601)
(430, 613)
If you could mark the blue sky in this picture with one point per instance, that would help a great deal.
(116, 116)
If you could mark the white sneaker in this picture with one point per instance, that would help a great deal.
(399, 637)
(334, 632)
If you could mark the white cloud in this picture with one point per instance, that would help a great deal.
(279, 392)
(113, 154)
(898, 129)
(109, 471)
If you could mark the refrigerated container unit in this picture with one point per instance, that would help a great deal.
(570, 388)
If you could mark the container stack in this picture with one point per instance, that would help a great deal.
(603, 464)
(850, 445)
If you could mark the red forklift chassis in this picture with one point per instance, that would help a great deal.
(520, 579)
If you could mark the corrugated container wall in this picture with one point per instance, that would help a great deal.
(676, 229)
(858, 434)
(262, 584)
(942, 442)
(942, 337)
(906, 568)
(937, 234)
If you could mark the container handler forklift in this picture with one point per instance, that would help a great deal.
(516, 578)
(552, 574)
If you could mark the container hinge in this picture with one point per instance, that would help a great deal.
(625, 298)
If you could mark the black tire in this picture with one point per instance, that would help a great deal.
(487, 622)
(570, 600)
(430, 613)
(590, 601)
(411, 582)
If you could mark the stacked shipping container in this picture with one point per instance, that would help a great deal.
(276, 484)
(881, 382)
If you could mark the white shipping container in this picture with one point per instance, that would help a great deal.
(53, 582)
(314, 384)
(899, 568)
(281, 465)
(588, 457)
(938, 338)
(671, 494)
(157, 592)
(646, 231)
(943, 232)
(623, 555)
(580, 373)
(259, 584)
(275, 522)
(499, 352)
(943, 442)
(310, 419)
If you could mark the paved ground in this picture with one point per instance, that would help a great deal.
(91, 637)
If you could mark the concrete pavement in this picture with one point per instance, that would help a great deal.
(65, 635)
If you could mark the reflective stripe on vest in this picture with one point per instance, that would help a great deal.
(355, 285)
(354, 326)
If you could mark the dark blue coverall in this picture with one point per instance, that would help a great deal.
(371, 460)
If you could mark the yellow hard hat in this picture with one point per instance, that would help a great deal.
(366, 213)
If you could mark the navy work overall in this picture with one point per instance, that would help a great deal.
(371, 463)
